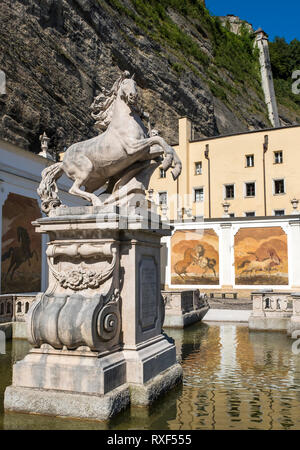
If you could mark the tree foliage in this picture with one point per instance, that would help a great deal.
(285, 59)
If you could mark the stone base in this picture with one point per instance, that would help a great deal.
(146, 394)
(269, 323)
(79, 384)
(80, 372)
(294, 326)
(66, 404)
(149, 359)
(65, 383)
(183, 320)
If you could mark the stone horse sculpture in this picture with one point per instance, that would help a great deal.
(121, 159)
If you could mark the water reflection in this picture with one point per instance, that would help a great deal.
(233, 379)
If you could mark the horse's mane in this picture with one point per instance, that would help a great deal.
(103, 104)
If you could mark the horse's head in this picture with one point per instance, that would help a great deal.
(128, 91)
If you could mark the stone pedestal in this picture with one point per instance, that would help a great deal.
(97, 330)
(183, 308)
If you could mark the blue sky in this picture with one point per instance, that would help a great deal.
(276, 18)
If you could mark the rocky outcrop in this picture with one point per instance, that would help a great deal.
(235, 23)
(58, 54)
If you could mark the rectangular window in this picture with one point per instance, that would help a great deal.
(249, 160)
(198, 195)
(279, 187)
(162, 173)
(250, 214)
(250, 189)
(231, 215)
(229, 191)
(198, 168)
(163, 198)
(278, 158)
(279, 212)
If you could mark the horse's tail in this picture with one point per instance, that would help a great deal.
(47, 189)
(172, 157)
(7, 254)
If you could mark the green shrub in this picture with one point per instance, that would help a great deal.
(230, 52)
(285, 58)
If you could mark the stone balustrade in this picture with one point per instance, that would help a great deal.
(14, 307)
(6, 308)
(272, 310)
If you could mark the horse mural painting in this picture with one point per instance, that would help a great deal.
(267, 264)
(21, 246)
(121, 159)
(261, 256)
(19, 255)
(191, 257)
(195, 257)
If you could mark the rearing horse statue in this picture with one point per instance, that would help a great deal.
(113, 158)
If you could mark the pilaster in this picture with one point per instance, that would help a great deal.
(225, 256)
(293, 247)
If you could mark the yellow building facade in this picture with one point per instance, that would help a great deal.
(247, 174)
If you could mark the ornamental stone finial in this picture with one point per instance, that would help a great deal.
(226, 206)
(295, 203)
(44, 146)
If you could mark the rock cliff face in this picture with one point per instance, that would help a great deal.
(58, 54)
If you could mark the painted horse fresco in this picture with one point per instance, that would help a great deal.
(19, 255)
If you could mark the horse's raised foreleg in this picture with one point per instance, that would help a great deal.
(170, 154)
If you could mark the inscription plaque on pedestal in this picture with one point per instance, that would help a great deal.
(148, 293)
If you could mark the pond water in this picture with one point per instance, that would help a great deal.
(233, 379)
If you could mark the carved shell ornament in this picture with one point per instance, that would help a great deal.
(81, 278)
